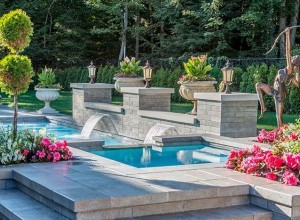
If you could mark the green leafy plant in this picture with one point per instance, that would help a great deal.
(129, 68)
(197, 68)
(47, 79)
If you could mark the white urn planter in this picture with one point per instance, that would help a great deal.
(189, 88)
(47, 95)
(128, 82)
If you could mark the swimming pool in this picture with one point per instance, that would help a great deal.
(142, 157)
(64, 132)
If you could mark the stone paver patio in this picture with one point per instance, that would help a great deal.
(93, 187)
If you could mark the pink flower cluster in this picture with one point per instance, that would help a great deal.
(48, 151)
(281, 134)
(264, 163)
(269, 137)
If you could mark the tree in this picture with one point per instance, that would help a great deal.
(15, 70)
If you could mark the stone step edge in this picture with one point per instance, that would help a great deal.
(137, 210)
(98, 204)
(236, 212)
(164, 208)
(17, 207)
(46, 201)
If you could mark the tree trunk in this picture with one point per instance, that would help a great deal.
(294, 21)
(152, 30)
(122, 54)
(15, 115)
(46, 21)
(282, 26)
(137, 36)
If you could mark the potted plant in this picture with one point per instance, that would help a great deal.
(196, 79)
(47, 90)
(128, 74)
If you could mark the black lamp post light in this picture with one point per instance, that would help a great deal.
(92, 72)
(147, 70)
(227, 76)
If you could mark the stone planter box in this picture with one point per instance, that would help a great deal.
(47, 95)
(188, 89)
(128, 82)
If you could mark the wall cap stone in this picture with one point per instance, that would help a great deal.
(169, 116)
(215, 96)
(146, 91)
(104, 107)
(92, 86)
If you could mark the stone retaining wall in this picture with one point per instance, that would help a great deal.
(220, 114)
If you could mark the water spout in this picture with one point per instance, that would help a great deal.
(92, 122)
(158, 130)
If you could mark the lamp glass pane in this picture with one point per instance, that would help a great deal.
(228, 75)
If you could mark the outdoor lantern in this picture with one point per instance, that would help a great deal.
(227, 76)
(147, 74)
(92, 72)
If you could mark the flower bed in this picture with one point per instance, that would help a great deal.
(281, 162)
(30, 146)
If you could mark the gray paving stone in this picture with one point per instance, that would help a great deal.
(17, 205)
(238, 212)
(82, 199)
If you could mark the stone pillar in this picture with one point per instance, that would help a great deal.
(231, 115)
(85, 92)
(156, 99)
(140, 98)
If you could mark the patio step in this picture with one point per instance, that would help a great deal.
(15, 205)
(245, 212)
(129, 199)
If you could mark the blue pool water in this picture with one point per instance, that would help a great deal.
(165, 156)
(64, 132)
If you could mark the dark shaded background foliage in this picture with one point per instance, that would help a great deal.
(70, 33)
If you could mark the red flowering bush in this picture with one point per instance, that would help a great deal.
(281, 163)
(266, 164)
(48, 151)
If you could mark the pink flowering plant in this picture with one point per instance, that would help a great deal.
(30, 146)
(280, 163)
(196, 69)
(129, 67)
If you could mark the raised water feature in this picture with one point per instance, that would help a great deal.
(67, 133)
(154, 156)
(159, 130)
(92, 122)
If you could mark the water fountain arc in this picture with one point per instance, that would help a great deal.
(158, 130)
(91, 123)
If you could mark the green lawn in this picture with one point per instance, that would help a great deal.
(64, 105)
(28, 101)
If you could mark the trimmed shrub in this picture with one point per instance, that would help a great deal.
(15, 30)
(15, 74)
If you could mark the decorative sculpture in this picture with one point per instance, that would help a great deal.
(284, 80)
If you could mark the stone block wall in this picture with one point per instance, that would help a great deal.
(84, 92)
(231, 116)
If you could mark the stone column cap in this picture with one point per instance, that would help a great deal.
(235, 96)
(92, 86)
(146, 91)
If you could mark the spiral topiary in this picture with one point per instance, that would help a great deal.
(15, 30)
